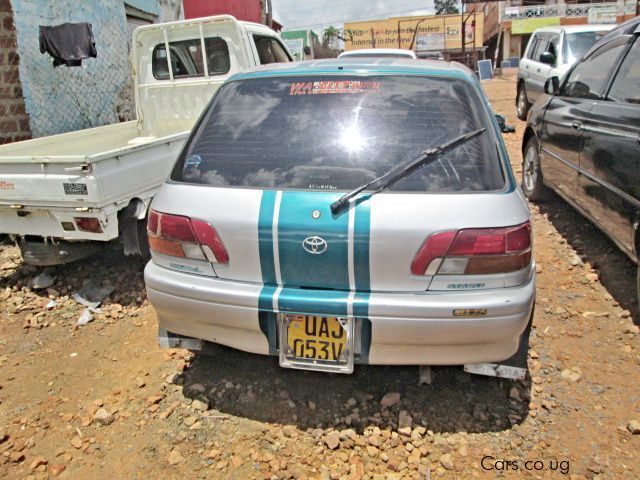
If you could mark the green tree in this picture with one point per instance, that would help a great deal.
(444, 7)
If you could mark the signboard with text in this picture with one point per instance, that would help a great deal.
(441, 32)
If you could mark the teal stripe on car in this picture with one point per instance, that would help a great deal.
(361, 240)
(296, 223)
(265, 236)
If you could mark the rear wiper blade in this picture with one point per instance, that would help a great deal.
(397, 173)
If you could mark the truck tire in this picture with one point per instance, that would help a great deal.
(522, 103)
(143, 240)
(532, 184)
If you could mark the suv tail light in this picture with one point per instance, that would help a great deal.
(475, 251)
(185, 237)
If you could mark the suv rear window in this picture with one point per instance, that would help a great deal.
(336, 133)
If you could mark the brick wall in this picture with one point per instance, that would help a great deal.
(14, 121)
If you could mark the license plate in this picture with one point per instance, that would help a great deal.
(316, 342)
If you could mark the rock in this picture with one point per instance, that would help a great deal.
(140, 383)
(634, 427)
(175, 457)
(404, 420)
(573, 374)
(332, 440)
(514, 394)
(172, 378)
(236, 461)
(288, 431)
(390, 399)
(446, 461)
(102, 417)
(405, 431)
(76, 442)
(199, 405)
(189, 421)
(312, 405)
(213, 454)
(633, 329)
(37, 462)
(372, 451)
(16, 457)
(56, 469)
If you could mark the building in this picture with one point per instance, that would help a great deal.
(38, 99)
(509, 24)
(297, 40)
(247, 10)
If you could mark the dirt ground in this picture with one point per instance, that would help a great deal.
(104, 401)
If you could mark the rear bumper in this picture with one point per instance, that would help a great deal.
(399, 328)
(48, 222)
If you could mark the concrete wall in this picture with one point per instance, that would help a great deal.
(14, 121)
(71, 98)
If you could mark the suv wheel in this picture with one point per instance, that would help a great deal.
(522, 103)
(532, 184)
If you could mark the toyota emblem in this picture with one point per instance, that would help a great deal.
(314, 245)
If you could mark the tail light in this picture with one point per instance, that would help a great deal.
(184, 237)
(475, 251)
(88, 224)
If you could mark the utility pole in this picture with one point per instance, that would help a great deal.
(269, 14)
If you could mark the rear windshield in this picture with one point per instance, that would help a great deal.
(336, 133)
(576, 44)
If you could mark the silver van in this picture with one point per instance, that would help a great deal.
(338, 212)
(550, 52)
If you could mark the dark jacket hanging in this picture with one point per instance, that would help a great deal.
(68, 43)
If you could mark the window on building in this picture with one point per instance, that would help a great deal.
(187, 59)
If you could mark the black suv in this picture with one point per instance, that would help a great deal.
(583, 138)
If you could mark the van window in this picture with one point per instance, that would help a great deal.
(589, 77)
(576, 44)
(270, 50)
(541, 47)
(186, 58)
(625, 86)
(336, 133)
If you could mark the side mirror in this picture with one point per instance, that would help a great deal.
(502, 123)
(548, 58)
(552, 85)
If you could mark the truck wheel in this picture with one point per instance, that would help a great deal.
(522, 103)
(532, 185)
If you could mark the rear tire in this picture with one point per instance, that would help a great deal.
(522, 103)
(532, 184)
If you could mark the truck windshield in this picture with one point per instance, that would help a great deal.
(336, 133)
(576, 44)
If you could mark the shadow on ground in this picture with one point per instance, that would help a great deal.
(255, 387)
(616, 271)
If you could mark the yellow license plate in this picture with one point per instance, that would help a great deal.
(316, 337)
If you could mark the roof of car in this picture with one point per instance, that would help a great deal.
(576, 28)
(379, 51)
(360, 66)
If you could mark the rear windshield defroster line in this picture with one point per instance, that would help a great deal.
(336, 133)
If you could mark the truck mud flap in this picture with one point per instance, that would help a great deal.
(45, 254)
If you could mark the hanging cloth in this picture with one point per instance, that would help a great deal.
(68, 43)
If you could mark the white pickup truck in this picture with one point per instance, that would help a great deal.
(64, 195)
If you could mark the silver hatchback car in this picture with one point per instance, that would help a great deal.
(334, 212)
